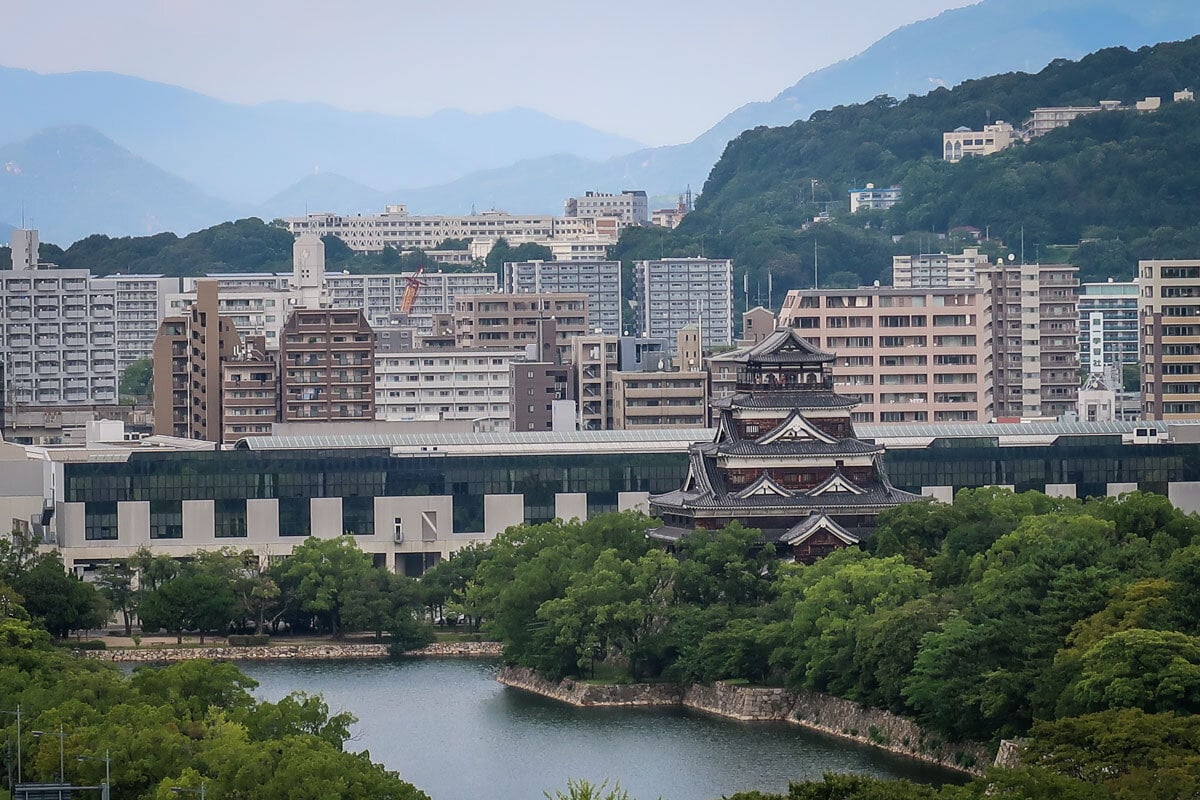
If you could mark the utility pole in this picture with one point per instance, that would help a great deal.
(61, 757)
(17, 714)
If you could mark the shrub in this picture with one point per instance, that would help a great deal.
(249, 640)
(84, 644)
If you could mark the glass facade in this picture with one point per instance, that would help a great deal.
(358, 476)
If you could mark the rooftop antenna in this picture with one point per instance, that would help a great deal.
(1022, 244)
(815, 284)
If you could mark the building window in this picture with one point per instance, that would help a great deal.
(166, 519)
(229, 518)
(100, 521)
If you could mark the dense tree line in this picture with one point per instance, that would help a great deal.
(326, 586)
(1002, 615)
(189, 725)
(1118, 182)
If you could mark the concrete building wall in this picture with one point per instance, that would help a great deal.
(1169, 332)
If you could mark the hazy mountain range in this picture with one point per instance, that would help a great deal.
(99, 152)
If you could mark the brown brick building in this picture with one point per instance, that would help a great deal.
(327, 366)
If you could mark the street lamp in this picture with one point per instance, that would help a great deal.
(61, 738)
(17, 714)
(186, 790)
(107, 762)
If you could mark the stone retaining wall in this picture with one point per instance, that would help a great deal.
(273, 652)
(831, 715)
(585, 694)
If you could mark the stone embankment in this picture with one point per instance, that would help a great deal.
(831, 715)
(302, 652)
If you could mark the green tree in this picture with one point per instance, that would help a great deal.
(62, 602)
(322, 574)
(137, 380)
(116, 583)
(1156, 671)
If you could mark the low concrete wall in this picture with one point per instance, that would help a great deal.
(820, 712)
(303, 652)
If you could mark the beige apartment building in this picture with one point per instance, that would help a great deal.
(963, 142)
(510, 321)
(249, 391)
(327, 364)
(1034, 336)
(187, 355)
(907, 355)
(1169, 334)
(662, 399)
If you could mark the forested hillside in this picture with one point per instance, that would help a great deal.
(1118, 180)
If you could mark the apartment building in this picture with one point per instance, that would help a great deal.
(660, 398)
(906, 355)
(594, 360)
(1169, 317)
(938, 269)
(870, 198)
(675, 292)
(397, 229)
(188, 354)
(1034, 335)
(962, 142)
(59, 333)
(327, 366)
(599, 280)
(442, 384)
(511, 321)
(379, 296)
(249, 391)
(631, 207)
(141, 303)
(1108, 325)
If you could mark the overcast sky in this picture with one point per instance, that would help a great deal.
(658, 71)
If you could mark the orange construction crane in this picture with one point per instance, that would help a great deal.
(410, 291)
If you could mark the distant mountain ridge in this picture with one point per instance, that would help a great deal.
(247, 153)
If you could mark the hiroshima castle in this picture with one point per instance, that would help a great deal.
(784, 459)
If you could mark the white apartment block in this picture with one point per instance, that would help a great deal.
(599, 280)
(424, 385)
(379, 296)
(1108, 325)
(59, 333)
(870, 198)
(963, 142)
(675, 292)
(254, 311)
(630, 206)
(934, 270)
(907, 355)
(590, 247)
(141, 304)
(397, 229)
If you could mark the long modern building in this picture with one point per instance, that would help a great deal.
(445, 384)
(396, 228)
(936, 270)
(1169, 317)
(412, 499)
(675, 292)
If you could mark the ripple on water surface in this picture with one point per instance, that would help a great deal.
(449, 728)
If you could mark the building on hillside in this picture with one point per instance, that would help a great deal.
(599, 280)
(903, 355)
(938, 269)
(510, 321)
(444, 384)
(395, 228)
(675, 292)
(1035, 347)
(1043, 120)
(327, 366)
(1169, 317)
(1108, 325)
(249, 391)
(963, 142)
(630, 206)
(189, 351)
(870, 198)
(784, 459)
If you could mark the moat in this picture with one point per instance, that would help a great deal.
(449, 728)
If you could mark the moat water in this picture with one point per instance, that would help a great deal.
(447, 726)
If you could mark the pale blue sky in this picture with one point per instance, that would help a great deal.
(659, 72)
